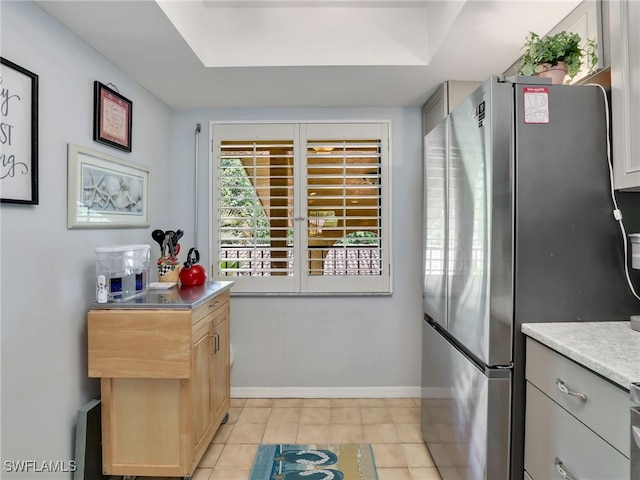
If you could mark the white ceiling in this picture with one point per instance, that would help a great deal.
(305, 53)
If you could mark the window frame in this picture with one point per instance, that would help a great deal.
(301, 282)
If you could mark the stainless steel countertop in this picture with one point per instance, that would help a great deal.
(174, 297)
(611, 349)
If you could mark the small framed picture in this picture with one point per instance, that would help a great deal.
(112, 117)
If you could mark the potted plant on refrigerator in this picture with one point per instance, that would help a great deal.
(557, 56)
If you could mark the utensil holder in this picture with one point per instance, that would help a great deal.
(168, 269)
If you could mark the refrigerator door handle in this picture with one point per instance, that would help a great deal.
(563, 388)
(562, 471)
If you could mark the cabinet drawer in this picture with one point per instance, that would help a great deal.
(139, 343)
(551, 432)
(606, 409)
(210, 306)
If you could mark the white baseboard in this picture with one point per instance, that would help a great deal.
(325, 392)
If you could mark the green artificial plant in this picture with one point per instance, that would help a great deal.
(541, 53)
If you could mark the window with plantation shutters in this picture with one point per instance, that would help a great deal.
(301, 208)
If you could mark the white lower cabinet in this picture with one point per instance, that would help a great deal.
(577, 423)
(556, 440)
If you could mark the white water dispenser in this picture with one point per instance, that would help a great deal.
(123, 270)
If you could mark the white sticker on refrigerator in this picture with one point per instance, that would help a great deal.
(536, 104)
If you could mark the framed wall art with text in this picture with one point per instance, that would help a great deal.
(18, 134)
(112, 117)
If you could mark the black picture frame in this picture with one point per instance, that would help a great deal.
(18, 134)
(112, 117)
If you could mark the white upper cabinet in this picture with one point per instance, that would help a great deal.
(624, 19)
(586, 21)
(447, 97)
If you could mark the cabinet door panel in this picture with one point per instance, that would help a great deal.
(446, 98)
(202, 399)
(221, 384)
(137, 444)
(625, 92)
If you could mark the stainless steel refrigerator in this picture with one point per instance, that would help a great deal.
(518, 227)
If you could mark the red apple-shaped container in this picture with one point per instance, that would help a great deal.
(193, 274)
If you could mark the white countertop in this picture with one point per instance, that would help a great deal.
(610, 349)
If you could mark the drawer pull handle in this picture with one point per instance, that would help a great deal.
(215, 343)
(562, 471)
(215, 304)
(563, 388)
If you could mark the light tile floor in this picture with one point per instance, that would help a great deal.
(392, 426)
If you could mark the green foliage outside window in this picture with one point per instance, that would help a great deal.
(241, 212)
(359, 238)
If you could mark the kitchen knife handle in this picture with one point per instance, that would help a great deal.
(562, 471)
(563, 388)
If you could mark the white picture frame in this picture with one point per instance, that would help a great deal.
(104, 191)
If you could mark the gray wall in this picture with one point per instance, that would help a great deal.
(47, 271)
(325, 343)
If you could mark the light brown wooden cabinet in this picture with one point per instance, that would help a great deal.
(165, 385)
